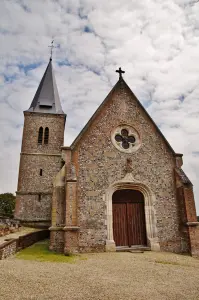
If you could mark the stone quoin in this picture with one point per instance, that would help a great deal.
(120, 184)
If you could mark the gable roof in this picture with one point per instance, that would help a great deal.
(46, 99)
(120, 82)
(183, 176)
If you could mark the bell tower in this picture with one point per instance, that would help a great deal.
(40, 158)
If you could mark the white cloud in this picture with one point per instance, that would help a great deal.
(155, 41)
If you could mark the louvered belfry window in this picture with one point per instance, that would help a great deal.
(40, 135)
(46, 135)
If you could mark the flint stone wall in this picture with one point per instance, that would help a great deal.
(57, 241)
(8, 248)
(99, 164)
(34, 195)
(32, 123)
(31, 208)
(30, 179)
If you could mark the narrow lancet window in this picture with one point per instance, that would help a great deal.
(46, 135)
(41, 172)
(40, 135)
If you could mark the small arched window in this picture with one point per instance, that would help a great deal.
(46, 135)
(40, 135)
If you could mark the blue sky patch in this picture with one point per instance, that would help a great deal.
(87, 29)
(9, 79)
(64, 63)
(27, 68)
(196, 153)
(181, 98)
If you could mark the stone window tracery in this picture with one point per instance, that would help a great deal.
(126, 138)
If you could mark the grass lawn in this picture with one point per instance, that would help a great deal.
(40, 252)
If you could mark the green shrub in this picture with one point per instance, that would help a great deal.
(7, 204)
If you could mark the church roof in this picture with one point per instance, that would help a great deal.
(46, 99)
(120, 83)
(183, 176)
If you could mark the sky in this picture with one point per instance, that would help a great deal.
(156, 42)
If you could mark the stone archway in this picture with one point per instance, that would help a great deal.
(150, 217)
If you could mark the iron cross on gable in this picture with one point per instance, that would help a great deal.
(120, 72)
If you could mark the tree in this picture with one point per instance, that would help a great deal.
(7, 204)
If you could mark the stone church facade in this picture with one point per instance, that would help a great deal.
(120, 184)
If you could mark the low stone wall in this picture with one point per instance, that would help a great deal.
(31, 238)
(8, 248)
(14, 245)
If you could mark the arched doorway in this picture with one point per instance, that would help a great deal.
(129, 226)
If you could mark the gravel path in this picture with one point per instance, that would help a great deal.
(104, 276)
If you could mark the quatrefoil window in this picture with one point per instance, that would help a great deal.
(125, 139)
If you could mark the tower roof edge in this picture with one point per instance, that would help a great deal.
(46, 99)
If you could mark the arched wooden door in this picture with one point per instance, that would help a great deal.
(129, 227)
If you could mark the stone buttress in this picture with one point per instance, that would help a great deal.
(64, 230)
(188, 218)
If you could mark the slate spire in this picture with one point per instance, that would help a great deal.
(46, 99)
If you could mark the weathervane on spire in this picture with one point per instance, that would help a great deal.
(51, 49)
(120, 72)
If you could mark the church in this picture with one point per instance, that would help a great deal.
(118, 186)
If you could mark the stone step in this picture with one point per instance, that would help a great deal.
(133, 249)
